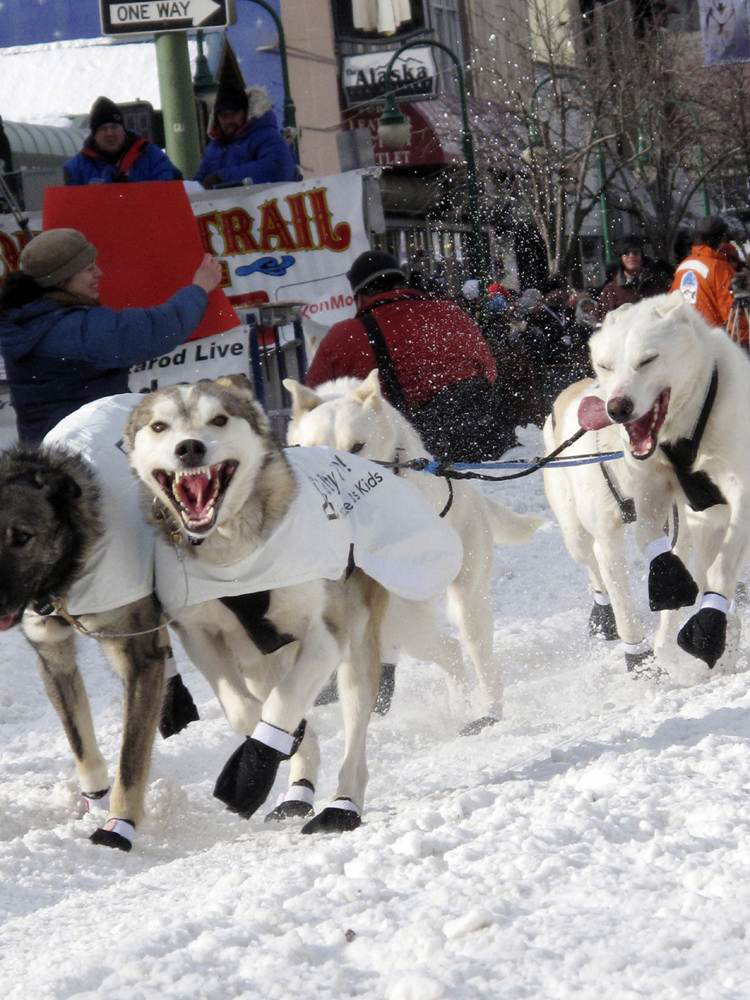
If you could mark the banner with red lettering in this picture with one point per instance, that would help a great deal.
(278, 243)
(288, 242)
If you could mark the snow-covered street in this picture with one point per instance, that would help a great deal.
(594, 844)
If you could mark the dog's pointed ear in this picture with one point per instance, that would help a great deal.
(54, 484)
(237, 383)
(303, 399)
(369, 393)
(665, 305)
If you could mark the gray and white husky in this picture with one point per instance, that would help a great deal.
(251, 570)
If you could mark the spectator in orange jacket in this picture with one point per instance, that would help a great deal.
(705, 276)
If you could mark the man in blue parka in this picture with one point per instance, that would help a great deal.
(111, 153)
(246, 144)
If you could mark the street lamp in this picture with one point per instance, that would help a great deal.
(393, 133)
(290, 112)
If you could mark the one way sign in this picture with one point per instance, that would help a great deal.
(120, 17)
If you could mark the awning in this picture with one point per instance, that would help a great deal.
(43, 145)
(383, 16)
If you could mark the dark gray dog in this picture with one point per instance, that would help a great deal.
(49, 523)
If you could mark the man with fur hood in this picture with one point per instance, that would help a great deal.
(111, 153)
(246, 144)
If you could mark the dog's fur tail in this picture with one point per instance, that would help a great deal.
(509, 528)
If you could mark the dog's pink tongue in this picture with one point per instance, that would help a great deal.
(592, 414)
(7, 621)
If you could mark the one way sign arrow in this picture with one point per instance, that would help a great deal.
(120, 17)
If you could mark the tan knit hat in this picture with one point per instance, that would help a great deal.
(56, 255)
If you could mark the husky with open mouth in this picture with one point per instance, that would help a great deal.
(680, 393)
(275, 568)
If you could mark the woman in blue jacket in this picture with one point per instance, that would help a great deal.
(62, 348)
(246, 142)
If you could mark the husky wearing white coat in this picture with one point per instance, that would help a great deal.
(353, 415)
(275, 569)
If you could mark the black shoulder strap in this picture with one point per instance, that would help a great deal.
(388, 378)
(699, 489)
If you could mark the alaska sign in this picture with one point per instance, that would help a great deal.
(120, 17)
(412, 76)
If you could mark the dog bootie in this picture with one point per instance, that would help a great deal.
(705, 634)
(340, 817)
(248, 776)
(116, 833)
(297, 803)
(477, 725)
(385, 689)
(602, 622)
(178, 709)
(670, 585)
(329, 694)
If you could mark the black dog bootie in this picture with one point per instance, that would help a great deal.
(602, 622)
(178, 709)
(248, 776)
(704, 635)
(670, 585)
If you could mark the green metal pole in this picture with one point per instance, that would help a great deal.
(178, 101)
(478, 251)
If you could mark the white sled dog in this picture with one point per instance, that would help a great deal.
(261, 538)
(679, 392)
(62, 520)
(592, 504)
(353, 415)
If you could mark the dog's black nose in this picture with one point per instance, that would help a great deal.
(620, 409)
(191, 452)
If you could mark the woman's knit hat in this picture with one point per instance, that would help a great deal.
(56, 255)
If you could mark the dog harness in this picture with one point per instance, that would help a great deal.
(119, 568)
(701, 492)
(343, 504)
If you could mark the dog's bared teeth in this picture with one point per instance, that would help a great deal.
(204, 470)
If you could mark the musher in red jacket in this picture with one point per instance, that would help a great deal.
(435, 365)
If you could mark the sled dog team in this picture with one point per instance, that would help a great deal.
(280, 567)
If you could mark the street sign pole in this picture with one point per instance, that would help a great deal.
(178, 102)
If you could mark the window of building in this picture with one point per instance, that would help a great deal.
(445, 20)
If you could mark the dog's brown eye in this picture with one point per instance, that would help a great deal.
(647, 361)
(158, 426)
(219, 421)
(357, 446)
